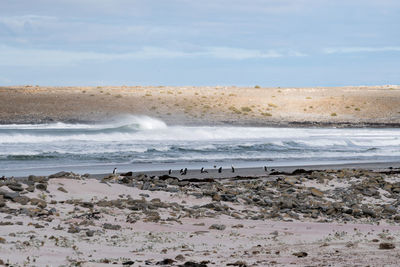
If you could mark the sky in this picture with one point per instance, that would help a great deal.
(287, 43)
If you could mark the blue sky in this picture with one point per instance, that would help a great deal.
(209, 42)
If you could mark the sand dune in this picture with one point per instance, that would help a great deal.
(354, 105)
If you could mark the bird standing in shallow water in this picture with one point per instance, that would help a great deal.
(169, 172)
(220, 170)
(233, 169)
(265, 168)
(115, 171)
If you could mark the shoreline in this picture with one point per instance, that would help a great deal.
(242, 171)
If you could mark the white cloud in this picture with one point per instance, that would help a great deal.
(360, 49)
(10, 56)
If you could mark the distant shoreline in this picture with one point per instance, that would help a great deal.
(350, 107)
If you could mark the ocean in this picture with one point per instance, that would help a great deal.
(140, 143)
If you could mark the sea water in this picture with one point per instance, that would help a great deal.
(142, 143)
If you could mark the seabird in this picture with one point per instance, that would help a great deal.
(220, 169)
(233, 169)
(169, 172)
(115, 171)
(184, 171)
(181, 171)
(265, 168)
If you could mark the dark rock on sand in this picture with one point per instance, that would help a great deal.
(60, 174)
(37, 179)
(38, 202)
(220, 227)
(73, 229)
(386, 246)
(301, 254)
(89, 233)
(41, 186)
(193, 264)
(166, 262)
(62, 189)
(15, 187)
(23, 200)
(110, 226)
(8, 195)
(238, 263)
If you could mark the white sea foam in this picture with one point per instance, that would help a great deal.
(144, 139)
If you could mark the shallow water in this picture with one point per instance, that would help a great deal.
(143, 143)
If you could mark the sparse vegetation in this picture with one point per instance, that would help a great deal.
(234, 110)
(267, 114)
(246, 109)
(333, 114)
(257, 86)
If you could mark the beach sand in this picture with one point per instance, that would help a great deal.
(334, 106)
(307, 218)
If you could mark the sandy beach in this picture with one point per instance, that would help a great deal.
(322, 217)
(304, 215)
(352, 106)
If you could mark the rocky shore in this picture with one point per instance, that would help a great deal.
(305, 217)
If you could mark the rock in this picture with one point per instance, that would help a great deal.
(38, 202)
(126, 174)
(220, 227)
(89, 233)
(37, 179)
(180, 257)
(60, 174)
(129, 263)
(216, 197)
(110, 226)
(88, 205)
(30, 188)
(301, 254)
(2, 240)
(9, 195)
(165, 262)
(193, 264)
(228, 197)
(238, 263)
(386, 246)
(41, 186)
(23, 200)
(369, 212)
(315, 192)
(73, 229)
(62, 189)
(15, 187)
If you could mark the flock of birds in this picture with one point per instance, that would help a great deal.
(202, 170)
